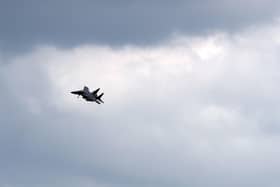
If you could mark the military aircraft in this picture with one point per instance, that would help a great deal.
(89, 96)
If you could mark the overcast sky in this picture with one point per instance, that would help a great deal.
(68, 23)
(191, 93)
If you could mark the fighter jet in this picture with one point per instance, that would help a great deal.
(89, 96)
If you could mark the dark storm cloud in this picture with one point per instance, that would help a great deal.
(67, 23)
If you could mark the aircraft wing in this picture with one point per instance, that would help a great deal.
(86, 89)
(95, 91)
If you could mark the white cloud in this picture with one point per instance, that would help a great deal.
(191, 111)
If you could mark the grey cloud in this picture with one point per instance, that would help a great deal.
(195, 111)
(69, 23)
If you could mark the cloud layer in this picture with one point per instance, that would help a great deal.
(189, 111)
(72, 23)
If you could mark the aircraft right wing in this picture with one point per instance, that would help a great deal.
(95, 91)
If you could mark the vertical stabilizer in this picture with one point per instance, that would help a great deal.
(99, 98)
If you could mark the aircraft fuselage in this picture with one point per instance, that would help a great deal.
(88, 96)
